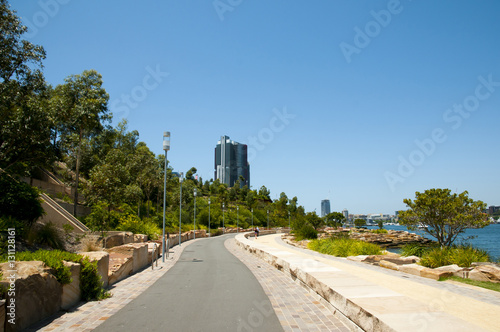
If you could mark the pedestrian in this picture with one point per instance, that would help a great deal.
(257, 232)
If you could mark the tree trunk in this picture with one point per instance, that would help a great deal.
(77, 172)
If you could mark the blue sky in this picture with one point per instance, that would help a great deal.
(360, 102)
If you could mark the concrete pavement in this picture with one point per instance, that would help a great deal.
(381, 299)
(149, 300)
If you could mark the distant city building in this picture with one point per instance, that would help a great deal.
(493, 209)
(231, 162)
(346, 214)
(325, 207)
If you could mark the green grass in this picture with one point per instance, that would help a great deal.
(343, 247)
(483, 284)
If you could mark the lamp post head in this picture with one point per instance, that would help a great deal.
(209, 201)
(180, 177)
(166, 140)
(194, 192)
(238, 207)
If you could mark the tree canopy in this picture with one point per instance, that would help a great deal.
(443, 215)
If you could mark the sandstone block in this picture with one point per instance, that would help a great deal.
(2, 315)
(491, 272)
(37, 294)
(138, 252)
(359, 258)
(71, 293)
(454, 269)
(434, 273)
(411, 269)
(389, 265)
(478, 276)
(102, 259)
(139, 238)
(120, 267)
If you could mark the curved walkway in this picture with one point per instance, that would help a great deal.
(293, 307)
(385, 298)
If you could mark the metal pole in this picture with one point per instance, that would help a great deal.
(267, 219)
(194, 238)
(237, 219)
(164, 203)
(180, 211)
(252, 219)
(223, 222)
(209, 217)
(289, 224)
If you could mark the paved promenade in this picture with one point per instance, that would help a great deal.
(295, 307)
(378, 298)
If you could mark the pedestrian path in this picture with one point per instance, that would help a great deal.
(297, 308)
(89, 315)
(379, 298)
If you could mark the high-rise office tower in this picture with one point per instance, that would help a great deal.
(231, 162)
(345, 212)
(325, 207)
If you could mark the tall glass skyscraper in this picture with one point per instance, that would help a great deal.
(231, 162)
(325, 207)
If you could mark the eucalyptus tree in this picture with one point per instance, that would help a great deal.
(82, 106)
(25, 126)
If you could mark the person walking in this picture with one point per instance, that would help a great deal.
(257, 232)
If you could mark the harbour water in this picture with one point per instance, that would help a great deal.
(487, 238)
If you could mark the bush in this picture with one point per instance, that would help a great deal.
(19, 202)
(47, 234)
(415, 249)
(90, 280)
(132, 223)
(343, 247)
(462, 255)
(379, 231)
(307, 231)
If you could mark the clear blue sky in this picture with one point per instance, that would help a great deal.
(357, 82)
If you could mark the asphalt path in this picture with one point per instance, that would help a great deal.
(208, 289)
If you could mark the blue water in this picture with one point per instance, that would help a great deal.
(487, 238)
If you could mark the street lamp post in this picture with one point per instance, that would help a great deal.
(237, 218)
(209, 217)
(252, 219)
(267, 219)
(194, 213)
(223, 221)
(180, 209)
(289, 223)
(166, 147)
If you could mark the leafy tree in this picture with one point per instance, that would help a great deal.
(264, 193)
(359, 222)
(25, 126)
(380, 224)
(335, 219)
(313, 219)
(18, 201)
(82, 104)
(446, 215)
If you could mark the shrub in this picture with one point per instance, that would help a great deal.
(462, 255)
(47, 234)
(132, 223)
(379, 231)
(415, 249)
(307, 231)
(19, 200)
(90, 280)
(343, 247)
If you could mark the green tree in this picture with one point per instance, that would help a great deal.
(359, 222)
(18, 202)
(25, 126)
(313, 219)
(334, 219)
(82, 103)
(380, 224)
(443, 215)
